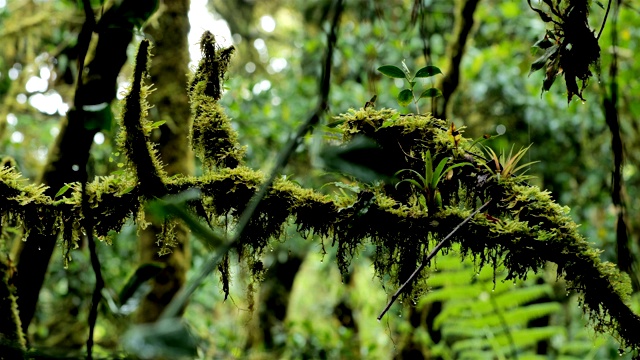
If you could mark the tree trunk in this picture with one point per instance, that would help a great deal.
(169, 70)
(462, 28)
(69, 155)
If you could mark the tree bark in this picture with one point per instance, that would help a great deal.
(69, 155)
(168, 72)
(462, 28)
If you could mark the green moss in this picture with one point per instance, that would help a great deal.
(133, 138)
(212, 136)
(10, 325)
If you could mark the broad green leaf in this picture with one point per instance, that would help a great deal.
(176, 206)
(98, 117)
(405, 97)
(350, 187)
(428, 71)
(412, 182)
(437, 173)
(130, 291)
(362, 158)
(392, 71)
(430, 93)
(451, 168)
(166, 338)
(543, 43)
(127, 190)
(390, 121)
(335, 123)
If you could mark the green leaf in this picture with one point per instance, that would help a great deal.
(390, 121)
(412, 182)
(354, 188)
(392, 71)
(405, 97)
(166, 338)
(430, 93)
(335, 123)
(176, 206)
(543, 43)
(428, 71)
(98, 117)
(62, 190)
(412, 84)
(127, 190)
(437, 173)
(157, 124)
(131, 290)
(541, 61)
(361, 158)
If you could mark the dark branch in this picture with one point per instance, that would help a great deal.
(427, 260)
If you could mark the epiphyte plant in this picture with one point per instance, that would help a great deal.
(504, 166)
(406, 96)
(429, 195)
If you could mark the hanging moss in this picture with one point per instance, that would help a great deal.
(10, 329)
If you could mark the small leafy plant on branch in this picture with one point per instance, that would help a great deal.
(406, 96)
(429, 196)
(503, 166)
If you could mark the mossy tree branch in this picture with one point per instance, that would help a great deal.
(522, 229)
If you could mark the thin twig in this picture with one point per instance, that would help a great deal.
(84, 38)
(83, 41)
(604, 21)
(181, 298)
(95, 265)
(428, 259)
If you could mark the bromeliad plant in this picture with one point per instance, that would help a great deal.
(503, 166)
(427, 184)
(406, 96)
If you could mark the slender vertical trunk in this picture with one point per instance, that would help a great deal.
(169, 75)
(70, 153)
(462, 29)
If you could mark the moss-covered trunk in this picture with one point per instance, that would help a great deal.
(69, 155)
(171, 104)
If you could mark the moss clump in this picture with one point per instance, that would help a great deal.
(212, 136)
(134, 139)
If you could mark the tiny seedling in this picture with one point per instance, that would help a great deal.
(406, 96)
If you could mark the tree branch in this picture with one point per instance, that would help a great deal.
(427, 260)
(181, 298)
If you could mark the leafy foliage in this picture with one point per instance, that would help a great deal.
(406, 96)
(570, 48)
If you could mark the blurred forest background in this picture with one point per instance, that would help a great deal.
(303, 308)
